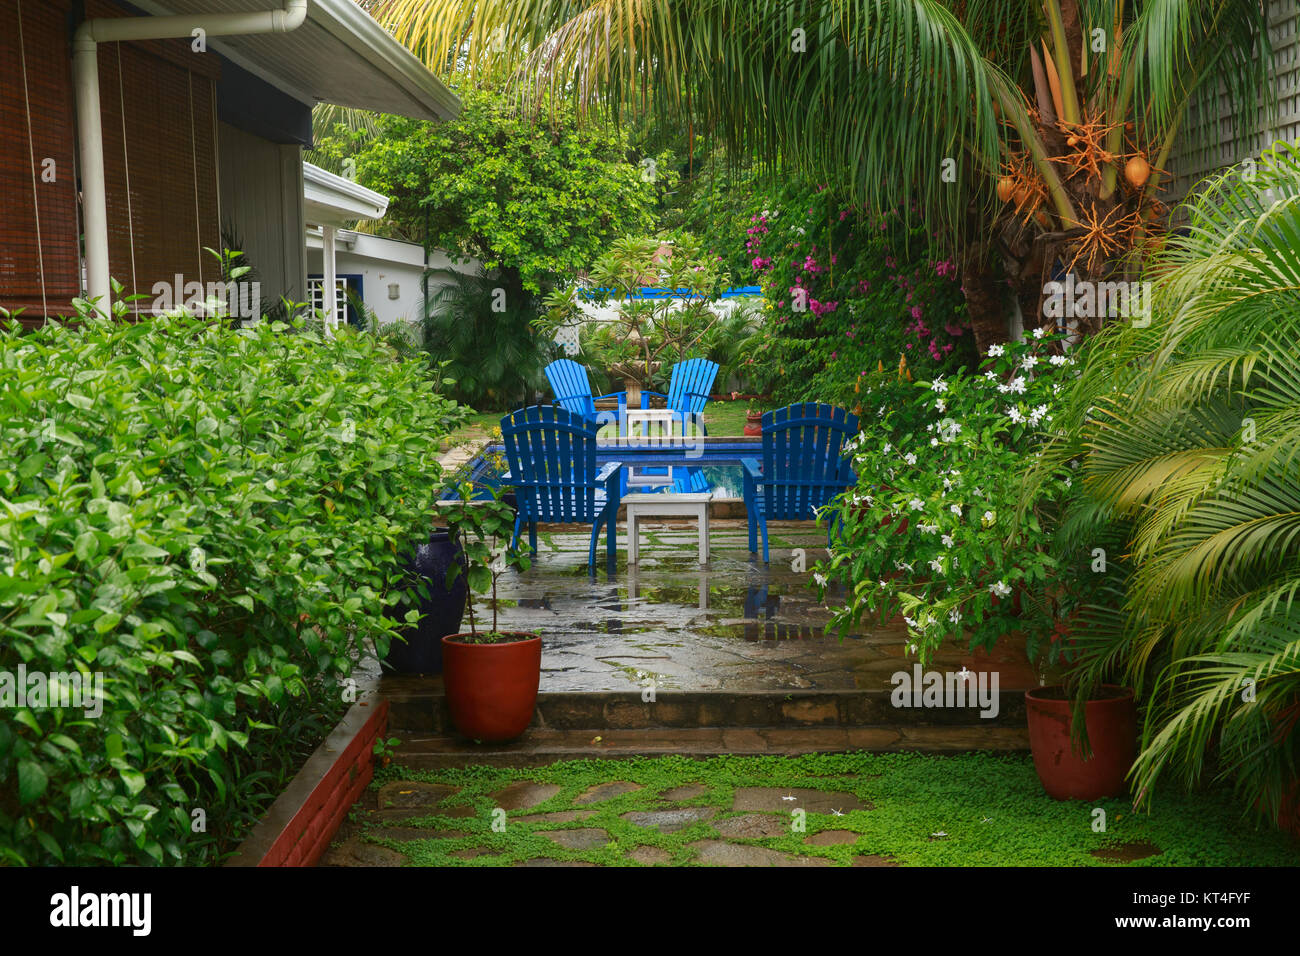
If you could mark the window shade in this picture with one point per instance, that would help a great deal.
(39, 253)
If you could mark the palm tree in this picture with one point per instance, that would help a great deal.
(1189, 436)
(1008, 123)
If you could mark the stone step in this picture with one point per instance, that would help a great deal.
(418, 706)
(540, 746)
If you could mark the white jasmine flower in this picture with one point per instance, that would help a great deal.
(1014, 414)
(910, 458)
(936, 565)
(1038, 333)
(916, 504)
(821, 580)
(1029, 361)
(996, 350)
(1017, 385)
(1000, 589)
(955, 509)
(989, 517)
(947, 540)
(954, 616)
(1058, 360)
(939, 385)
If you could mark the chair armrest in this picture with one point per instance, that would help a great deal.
(753, 478)
(610, 470)
(622, 395)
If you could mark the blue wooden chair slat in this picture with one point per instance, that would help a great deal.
(552, 457)
(802, 469)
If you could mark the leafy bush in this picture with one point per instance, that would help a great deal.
(210, 519)
(483, 341)
(932, 529)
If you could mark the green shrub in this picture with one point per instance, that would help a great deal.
(210, 519)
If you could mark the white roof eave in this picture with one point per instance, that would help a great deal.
(331, 200)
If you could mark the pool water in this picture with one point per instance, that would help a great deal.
(717, 469)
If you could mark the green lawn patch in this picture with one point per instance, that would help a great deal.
(912, 810)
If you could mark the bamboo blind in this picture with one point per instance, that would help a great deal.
(39, 256)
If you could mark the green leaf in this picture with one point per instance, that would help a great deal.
(32, 781)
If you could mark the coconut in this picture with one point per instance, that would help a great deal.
(1137, 171)
(1006, 188)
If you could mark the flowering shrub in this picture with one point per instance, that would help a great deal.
(846, 291)
(932, 529)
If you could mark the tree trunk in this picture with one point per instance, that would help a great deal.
(985, 302)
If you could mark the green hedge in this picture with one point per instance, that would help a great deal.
(209, 518)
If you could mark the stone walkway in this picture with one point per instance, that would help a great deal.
(403, 813)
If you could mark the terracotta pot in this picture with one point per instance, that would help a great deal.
(754, 423)
(1112, 734)
(492, 688)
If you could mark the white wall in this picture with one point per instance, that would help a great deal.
(383, 262)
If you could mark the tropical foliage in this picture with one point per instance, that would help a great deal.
(482, 340)
(830, 87)
(1188, 429)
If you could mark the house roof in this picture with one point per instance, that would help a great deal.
(339, 55)
(332, 200)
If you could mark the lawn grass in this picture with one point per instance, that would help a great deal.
(962, 810)
(721, 418)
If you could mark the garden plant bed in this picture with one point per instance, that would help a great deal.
(859, 810)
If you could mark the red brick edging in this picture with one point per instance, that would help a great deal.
(298, 828)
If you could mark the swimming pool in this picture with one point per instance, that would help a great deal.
(715, 466)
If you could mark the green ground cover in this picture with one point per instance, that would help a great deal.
(963, 810)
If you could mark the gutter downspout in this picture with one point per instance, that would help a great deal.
(85, 79)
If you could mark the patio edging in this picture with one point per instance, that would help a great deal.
(298, 827)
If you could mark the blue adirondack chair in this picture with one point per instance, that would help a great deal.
(552, 456)
(802, 469)
(688, 389)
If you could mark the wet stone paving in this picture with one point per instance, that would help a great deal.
(733, 625)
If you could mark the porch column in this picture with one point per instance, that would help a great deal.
(330, 280)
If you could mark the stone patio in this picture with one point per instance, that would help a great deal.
(733, 626)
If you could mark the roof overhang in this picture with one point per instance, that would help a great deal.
(339, 55)
(330, 200)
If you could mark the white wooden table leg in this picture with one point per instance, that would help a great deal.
(704, 533)
(632, 534)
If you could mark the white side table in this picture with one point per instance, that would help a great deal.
(679, 506)
(658, 428)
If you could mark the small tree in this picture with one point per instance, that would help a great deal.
(476, 522)
(650, 334)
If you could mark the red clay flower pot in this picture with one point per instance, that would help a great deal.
(492, 688)
(754, 423)
(1112, 733)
